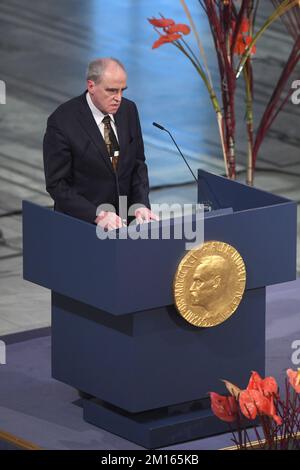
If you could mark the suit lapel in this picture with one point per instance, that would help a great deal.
(121, 130)
(87, 121)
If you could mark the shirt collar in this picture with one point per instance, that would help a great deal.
(98, 115)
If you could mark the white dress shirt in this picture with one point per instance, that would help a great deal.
(98, 116)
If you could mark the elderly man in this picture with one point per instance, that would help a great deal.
(94, 151)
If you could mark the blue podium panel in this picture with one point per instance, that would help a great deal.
(154, 358)
(65, 255)
(223, 192)
(162, 427)
(266, 240)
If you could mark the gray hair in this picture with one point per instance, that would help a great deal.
(97, 67)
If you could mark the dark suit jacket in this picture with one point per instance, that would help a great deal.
(78, 171)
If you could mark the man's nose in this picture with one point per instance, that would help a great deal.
(118, 96)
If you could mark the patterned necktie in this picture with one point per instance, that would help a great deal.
(111, 142)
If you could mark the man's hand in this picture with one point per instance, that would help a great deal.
(108, 220)
(143, 214)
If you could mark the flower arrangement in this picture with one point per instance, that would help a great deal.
(279, 418)
(232, 25)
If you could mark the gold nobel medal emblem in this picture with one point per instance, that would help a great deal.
(209, 284)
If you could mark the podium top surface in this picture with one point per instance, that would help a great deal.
(223, 192)
(122, 276)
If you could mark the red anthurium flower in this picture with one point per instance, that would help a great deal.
(294, 379)
(242, 43)
(166, 38)
(239, 47)
(244, 28)
(254, 381)
(272, 412)
(224, 408)
(253, 402)
(248, 403)
(161, 22)
(267, 407)
(179, 28)
(267, 386)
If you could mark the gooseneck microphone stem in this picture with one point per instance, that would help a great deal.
(166, 130)
(182, 155)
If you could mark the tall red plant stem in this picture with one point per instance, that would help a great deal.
(270, 110)
(248, 79)
(227, 78)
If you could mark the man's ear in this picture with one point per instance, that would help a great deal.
(217, 281)
(90, 86)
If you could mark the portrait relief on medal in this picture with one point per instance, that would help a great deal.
(209, 284)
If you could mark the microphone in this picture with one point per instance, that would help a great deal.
(166, 130)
